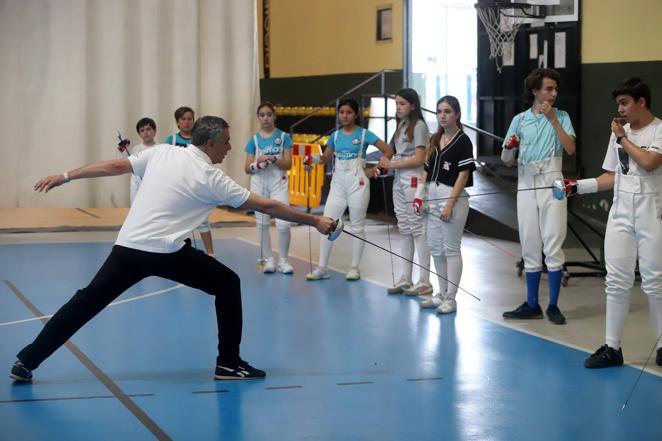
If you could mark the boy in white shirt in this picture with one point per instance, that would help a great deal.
(633, 168)
(146, 128)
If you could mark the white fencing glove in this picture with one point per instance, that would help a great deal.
(257, 166)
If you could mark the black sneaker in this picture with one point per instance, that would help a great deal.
(240, 371)
(555, 315)
(658, 359)
(19, 372)
(523, 311)
(605, 356)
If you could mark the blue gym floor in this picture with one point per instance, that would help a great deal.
(344, 361)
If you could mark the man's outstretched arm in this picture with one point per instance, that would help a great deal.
(273, 208)
(97, 169)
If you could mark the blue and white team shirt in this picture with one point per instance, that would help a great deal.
(352, 146)
(538, 139)
(179, 140)
(273, 145)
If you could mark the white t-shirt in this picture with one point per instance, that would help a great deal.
(648, 138)
(179, 189)
(135, 180)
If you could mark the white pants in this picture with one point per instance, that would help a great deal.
(542, 219)
(634, 232)
(349, 188)
(411, 226)
(272, 184)
(444, 238)
(404, 190)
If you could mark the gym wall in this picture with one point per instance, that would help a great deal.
(319, 48)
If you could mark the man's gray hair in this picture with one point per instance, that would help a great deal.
(207, 128)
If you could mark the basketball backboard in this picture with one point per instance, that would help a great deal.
(557, 11)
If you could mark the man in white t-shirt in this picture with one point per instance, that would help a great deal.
(633, 168)
(179, 189)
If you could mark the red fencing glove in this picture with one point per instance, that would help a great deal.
(417, 204)
(256, 166)
(513, 142)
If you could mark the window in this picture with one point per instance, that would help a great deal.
(442, 54)
(384, 23)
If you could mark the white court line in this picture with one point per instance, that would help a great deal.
(132, 299)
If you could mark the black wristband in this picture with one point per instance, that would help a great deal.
(619, 139)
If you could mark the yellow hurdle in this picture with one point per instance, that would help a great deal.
(305, 185)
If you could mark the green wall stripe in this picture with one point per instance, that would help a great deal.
(319, 90)
(598, 108)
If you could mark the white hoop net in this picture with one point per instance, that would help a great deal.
(501, 25)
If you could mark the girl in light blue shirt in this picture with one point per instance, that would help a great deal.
(350, 186)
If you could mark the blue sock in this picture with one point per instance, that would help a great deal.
(554, 278)
(532, 283)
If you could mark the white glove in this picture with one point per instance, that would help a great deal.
(508, 156)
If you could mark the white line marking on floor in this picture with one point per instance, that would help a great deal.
(132, 299)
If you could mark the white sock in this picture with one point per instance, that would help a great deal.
(454, 275)
(284, 238)
(357, 249)
(441, 267)
(407, 250)
(617, 310)
(334, 212)
(264, 239)
(325, 251)
(423, 253)
(655, 311)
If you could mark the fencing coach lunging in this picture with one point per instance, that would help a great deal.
(179, 189)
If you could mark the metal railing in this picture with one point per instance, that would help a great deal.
(382, 78)
(469, 126)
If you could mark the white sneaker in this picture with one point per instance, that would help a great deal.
(432, 302)
(420, 289)
(399, 287)
(285, 267)
(269, 266)
(448, 306)
(353, 274)
(318, 273)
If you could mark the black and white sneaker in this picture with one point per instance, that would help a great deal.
(555, 315)
(19, 372)
(605, 356)
(524, 311)
(240, 371)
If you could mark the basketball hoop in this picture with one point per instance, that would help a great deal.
(502, 20)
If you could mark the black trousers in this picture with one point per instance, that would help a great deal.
(125, 267)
